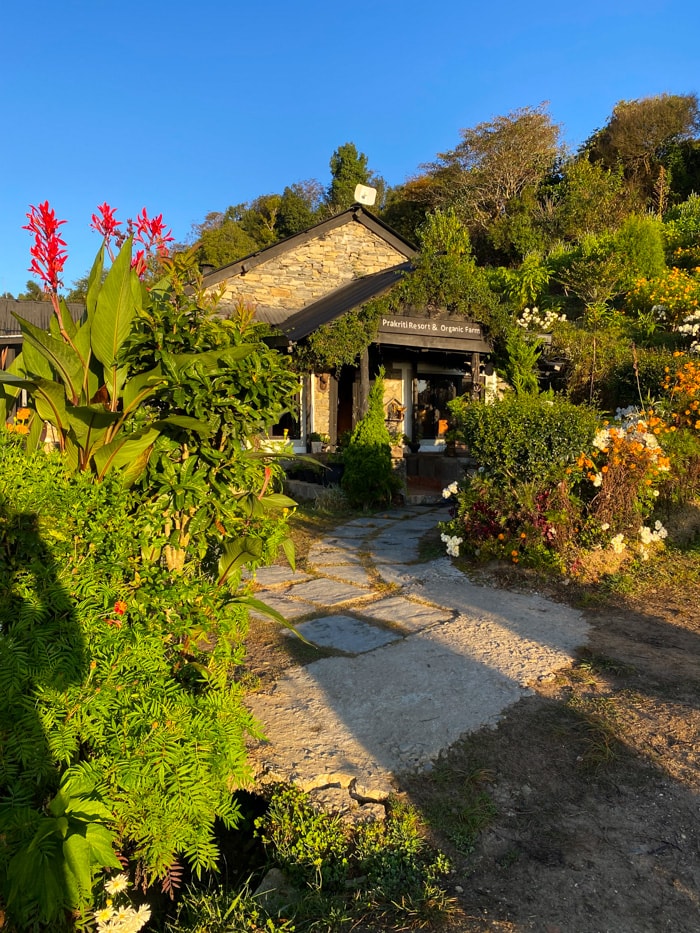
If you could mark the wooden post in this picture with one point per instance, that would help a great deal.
(333, 409)
(363, 400)
(476, 376)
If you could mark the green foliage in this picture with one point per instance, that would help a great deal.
(57, 853)
(113, 672)
(525, 285)
(220, 910)
(682, 232)
(349, 169)
(522, 355)
(495, 163)
(299, 208)
(590, 199)
(639, 133)
(446, 276)
(341, 342)
(386, 865)
(308, 844)
(639, 242)
(523, 437)
(225, 243)
(215, 489)
(77, 381)
(368, 479)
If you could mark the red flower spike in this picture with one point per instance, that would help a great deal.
(48, 253)
(105, 223)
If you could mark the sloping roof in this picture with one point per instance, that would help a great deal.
(343, 299)
(353, 214)
(37, 312)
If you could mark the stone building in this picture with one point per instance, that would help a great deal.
(312, 278)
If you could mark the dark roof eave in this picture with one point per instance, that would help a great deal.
(343, 299)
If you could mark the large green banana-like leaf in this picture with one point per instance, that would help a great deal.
(211, 358)
(90, 425)
(34, 362)
(94, 283)
(141, 387)
(62, 357)
(49, 397)
(237, 553)
(266, 610)
(123, 450)
(118, 302)
(50, 403)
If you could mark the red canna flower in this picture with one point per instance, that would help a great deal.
(138, 263)
(105, 224)
(152, 232)
(48, 253)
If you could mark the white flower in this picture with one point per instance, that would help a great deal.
(660, 531)
(605, 526)
(450, 490)
(602, 439)
(452, 543)
(117, 884)
(617, 543)
(651, 536)
(598, 479)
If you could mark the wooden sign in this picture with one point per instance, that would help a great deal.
(437, 333)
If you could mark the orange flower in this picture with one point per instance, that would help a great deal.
(120, 607)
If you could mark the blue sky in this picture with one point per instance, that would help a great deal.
(186, 108)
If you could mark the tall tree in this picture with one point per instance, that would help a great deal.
(639, 135)
(299, 207)
(349, 169)
(33, 292)
(495, 163)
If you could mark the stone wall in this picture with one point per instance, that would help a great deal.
(302, 275)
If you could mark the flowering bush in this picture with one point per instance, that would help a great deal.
(691, 327)
(599, 500)
(539, 322)
(674, 295)
(116, 917)
(623, 468)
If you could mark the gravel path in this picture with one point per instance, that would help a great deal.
(419, 659)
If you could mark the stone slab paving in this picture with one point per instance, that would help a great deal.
(349, 573)
(289, 608)
(407, 614)
(323, 554)
(397, 553)
(278, 575)
(346, 633)
(328, 593)
(467, 654)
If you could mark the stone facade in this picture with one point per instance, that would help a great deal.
(290, 281)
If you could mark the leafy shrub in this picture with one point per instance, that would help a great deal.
(523, 437)
(114, 674)
(600, 500)
(387, 865)
(676, 291)
(368, 479)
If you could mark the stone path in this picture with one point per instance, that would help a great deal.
(421, 656)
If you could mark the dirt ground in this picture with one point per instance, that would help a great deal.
(588, 791)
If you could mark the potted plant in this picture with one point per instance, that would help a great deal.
(413, 444)
(315, 442)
